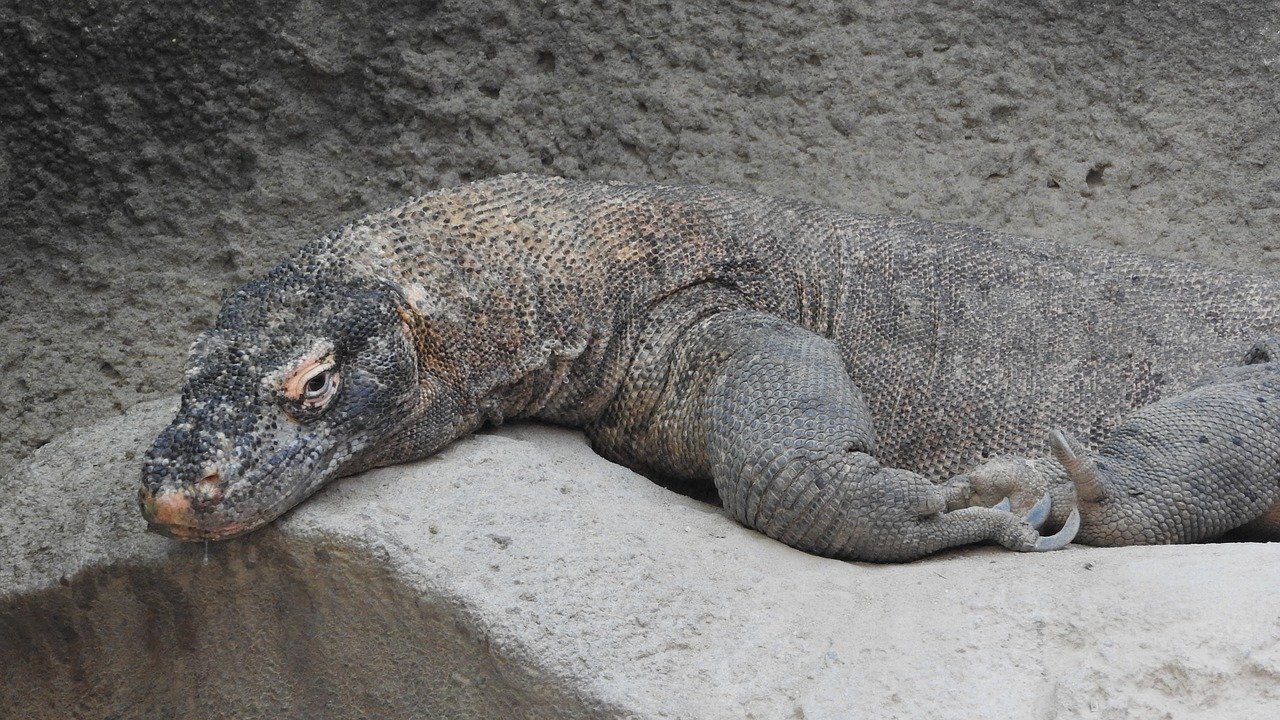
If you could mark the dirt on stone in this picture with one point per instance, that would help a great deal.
(155, 155)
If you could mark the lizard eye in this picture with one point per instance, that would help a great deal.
(318, 386)
(315, 386)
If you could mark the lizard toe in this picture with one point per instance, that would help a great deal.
(1039, 512)
(1060, 539)
(1022, 533)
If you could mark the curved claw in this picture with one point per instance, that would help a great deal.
(1039, 512)
(1065, 449)
(1081, 468)
(1059, 540)
(1002, 506)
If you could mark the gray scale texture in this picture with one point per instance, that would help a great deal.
(843, 365)
(1191, 467)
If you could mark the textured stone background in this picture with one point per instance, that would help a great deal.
(155, 155)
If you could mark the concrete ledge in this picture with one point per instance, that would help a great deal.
(519, 575)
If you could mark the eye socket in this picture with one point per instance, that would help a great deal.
(315, 386)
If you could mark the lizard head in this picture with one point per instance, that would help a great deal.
(299, 382)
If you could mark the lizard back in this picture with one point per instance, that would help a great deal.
(966, 343)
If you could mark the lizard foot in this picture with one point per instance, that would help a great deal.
(1039, 512)
(1080, 467)
(1023, 483)
(1011, 479)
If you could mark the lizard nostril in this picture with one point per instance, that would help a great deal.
(208, 488)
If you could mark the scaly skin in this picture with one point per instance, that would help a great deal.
(830, 373)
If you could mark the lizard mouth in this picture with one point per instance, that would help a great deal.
(191, 513)
(191, 533)
(170, 513)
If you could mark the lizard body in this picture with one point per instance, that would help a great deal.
(850, 383)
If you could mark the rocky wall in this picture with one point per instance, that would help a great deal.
(154, 155)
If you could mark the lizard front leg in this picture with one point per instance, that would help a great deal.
(767, 410)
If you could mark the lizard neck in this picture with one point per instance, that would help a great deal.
(502, 362)
(508, 350)
(564, 387)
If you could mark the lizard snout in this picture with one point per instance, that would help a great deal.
(176, 512)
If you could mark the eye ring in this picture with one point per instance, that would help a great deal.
(317, 385)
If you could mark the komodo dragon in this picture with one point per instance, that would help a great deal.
(855, 386)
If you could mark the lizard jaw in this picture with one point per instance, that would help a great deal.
(170, 514)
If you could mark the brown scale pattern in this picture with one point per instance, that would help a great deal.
(679, 325)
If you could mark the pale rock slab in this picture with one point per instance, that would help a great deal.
(519, 575)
